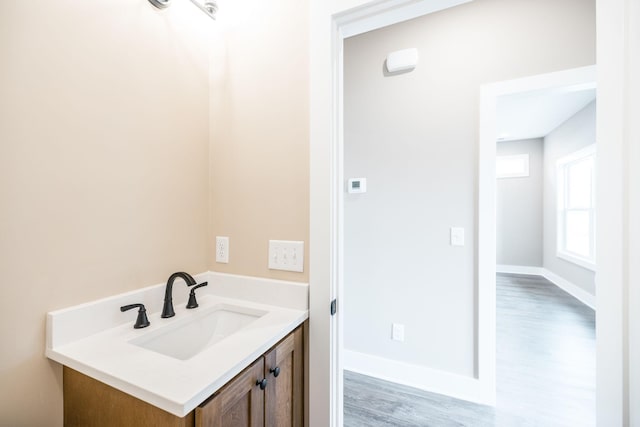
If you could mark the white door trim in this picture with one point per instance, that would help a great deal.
(617, 329)
(633, 156)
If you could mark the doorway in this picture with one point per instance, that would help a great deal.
(545, 223)
(440, 192)
(326, 185)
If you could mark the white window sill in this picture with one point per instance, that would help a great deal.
(513, 175)
(582, 262)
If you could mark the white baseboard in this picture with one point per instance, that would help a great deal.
(432, 380)
(520, 269)
(570, 288)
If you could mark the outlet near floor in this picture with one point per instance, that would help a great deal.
(397, 332)
(286, 255)
(222, 249)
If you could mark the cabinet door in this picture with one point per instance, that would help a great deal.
(284, 393)
(239, 404)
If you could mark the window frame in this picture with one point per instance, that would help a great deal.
(562, 166)
(517, 174)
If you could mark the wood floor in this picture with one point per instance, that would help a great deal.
(545, 370)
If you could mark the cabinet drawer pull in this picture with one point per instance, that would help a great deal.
(262, 383)
(275, 371)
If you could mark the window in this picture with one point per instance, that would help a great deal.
(576, 207)
(512, 166)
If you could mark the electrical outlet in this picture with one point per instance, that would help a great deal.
(286, 255)
(397, 332)
(222, 249)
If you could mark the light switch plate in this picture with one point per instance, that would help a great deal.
(286, 255)
(457, 236)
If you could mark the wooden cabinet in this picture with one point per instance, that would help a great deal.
(239, 403)
(89, 402)
(244, 403)
(284, 394)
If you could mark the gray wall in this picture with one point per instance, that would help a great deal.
(519, 208)
(574, 134)
(414, 136)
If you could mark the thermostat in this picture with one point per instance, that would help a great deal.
(357, 185)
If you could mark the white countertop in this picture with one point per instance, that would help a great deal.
(177, 386)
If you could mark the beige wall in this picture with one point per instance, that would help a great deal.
(260, 135)
(103, 169)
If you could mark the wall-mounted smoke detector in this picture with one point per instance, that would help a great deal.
(402, 60)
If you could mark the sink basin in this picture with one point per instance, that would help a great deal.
(184, 338)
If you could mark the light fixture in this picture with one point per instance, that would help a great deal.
(210, 7)
(160, 4)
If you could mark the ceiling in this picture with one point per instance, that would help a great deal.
(535, 114)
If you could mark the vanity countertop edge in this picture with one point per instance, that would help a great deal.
(94, 341)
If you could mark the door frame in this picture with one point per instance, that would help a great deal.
(618, 380)
(327, 188)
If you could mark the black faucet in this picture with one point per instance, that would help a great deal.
(142, 321)
(167, 310)
(193, 303)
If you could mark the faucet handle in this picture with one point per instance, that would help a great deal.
(192, 295)
(142, 321)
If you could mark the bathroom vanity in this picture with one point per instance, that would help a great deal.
(236, 360)
(240, 402)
